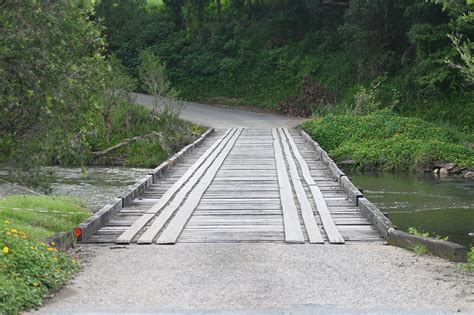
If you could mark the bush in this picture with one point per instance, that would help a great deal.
(387, 141)
(29, 270)
(312, 95)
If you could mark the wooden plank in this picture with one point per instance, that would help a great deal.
(314, 235)
(332, 232)
(175, 227)
(293, 232)
(192, 172)
(168, 212)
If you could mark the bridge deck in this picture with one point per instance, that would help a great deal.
(243, 185)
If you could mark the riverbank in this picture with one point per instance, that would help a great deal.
(29, 268)
(387, 141)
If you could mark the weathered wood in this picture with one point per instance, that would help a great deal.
(175, 227)
(293, 232)
(321, 206)
(168, 212)
(314, 235)
(99, 219)
(127, 236)
(353, 192)
(243, 203)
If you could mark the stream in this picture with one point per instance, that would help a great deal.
(444, 206)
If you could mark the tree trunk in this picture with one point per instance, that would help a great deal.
(106, 116)
(124, 142)
(218, 9)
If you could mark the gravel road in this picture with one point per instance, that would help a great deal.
(365, 278)
(264, 279)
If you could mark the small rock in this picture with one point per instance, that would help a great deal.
(449, 166)
(443, 171)
(469, 175)
(456, 170)
(438, 164)
(436, 171)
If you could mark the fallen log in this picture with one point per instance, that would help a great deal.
(125, 142)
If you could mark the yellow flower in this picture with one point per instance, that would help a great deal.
(53, 244)
(35, 284)
(5, 249)
(51, 249)
(6, 222)
(8, 233)
(14, 231)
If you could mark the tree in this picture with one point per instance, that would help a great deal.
(118, 86)
(52, 80)
(153, 77)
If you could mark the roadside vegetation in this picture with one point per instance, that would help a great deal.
(29, 268)
(42, 216)
(66, 101)
(384, 140)
(338, 58)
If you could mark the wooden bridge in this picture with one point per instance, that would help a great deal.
(241, 185)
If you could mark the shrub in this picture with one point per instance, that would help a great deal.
(29, 270)
(312, 94)
(384, 140)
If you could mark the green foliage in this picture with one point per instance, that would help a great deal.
(414, 231)
(51, 77)
(469, 266)
(41, 216)
(29, 269)
(258, 52)
(153, 75)
(387, 141)
(419, 249)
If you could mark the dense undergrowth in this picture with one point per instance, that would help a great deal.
(387, 141)
(260, 52)
(316, 58)
(29, 268)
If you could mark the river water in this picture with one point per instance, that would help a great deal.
(444, 206)
(95, 186)
(441, 205)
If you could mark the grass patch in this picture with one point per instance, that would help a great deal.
(42, 216)
(419, 249)
(29, 268)
(469, 266)
(414, 231)
(386, 141)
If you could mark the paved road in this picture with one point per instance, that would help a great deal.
(264, 279)
(222, 117)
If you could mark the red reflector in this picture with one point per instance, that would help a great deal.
(77, 232)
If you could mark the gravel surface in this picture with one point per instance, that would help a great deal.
(264, 279)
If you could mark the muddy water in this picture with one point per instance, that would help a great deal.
(444, 206)
(95, 187)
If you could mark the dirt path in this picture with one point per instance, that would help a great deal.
(264, 278)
